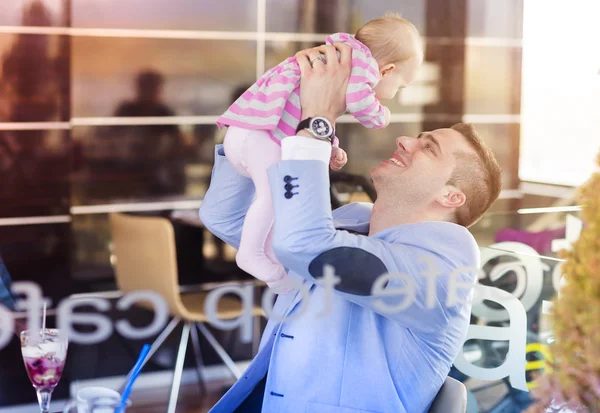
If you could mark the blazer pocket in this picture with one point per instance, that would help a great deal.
(314, 407)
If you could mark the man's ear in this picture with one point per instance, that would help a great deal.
(451, 197)
(387, 69)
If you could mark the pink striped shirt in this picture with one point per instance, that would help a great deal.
(273, 102)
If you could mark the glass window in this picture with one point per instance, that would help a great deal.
(33, 13)
(492, 80)
(498, 19)
(34, 166)
(201, 257)
(33, 78)
(117, 164)
(181, 77)
(503, 140)
(485, 18)
(561, 96)
(40, 253)
(529, 278)
(223, 15)
(336, 16)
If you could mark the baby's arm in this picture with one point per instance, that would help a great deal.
(360, 96)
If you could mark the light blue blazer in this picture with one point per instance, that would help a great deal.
(347, 350)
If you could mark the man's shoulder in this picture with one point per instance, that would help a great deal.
(450, 242)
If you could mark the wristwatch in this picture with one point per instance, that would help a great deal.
(319, 127)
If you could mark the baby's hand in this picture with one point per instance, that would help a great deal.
(338, 158)
(388, 115)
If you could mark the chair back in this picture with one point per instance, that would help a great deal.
(146, 257)
(452, 398)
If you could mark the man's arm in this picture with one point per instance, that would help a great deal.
(227, 200)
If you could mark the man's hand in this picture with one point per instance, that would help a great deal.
(323, 85)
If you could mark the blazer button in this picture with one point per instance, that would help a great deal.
(288, 195)
(288, 179)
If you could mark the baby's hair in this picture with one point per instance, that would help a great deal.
(391, 38)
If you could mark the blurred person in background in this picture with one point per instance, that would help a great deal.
(151, 157)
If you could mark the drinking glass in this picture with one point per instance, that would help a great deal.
(44, 354)
(102, 404)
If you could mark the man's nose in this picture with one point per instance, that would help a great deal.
(406, 144)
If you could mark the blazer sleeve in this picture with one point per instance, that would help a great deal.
(227, 200)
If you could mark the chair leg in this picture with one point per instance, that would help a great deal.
(198, 358)
(220, 350)
(155, 346)
(185, 336)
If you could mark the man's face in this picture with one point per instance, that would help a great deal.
(418, 171)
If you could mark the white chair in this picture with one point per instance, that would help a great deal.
(146, 260)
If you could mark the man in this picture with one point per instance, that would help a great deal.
(155, 155)
(377, 343)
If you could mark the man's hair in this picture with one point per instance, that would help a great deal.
(391, 39)
(477, 175)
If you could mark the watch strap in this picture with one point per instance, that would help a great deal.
(304, 124)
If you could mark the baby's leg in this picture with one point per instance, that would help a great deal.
(234, 145)
(253, 152)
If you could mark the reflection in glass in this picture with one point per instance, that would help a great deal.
(142, 163)
(332, 16)
(493, 80)
(199, 75)
(34, 170)
(503, 139)
(157, 149)
(14, 13)
(39, 253)
(531, 279)
(200, 257)
(537, 230)
(223, 15)
(497, 19)
(33, 81)
(123, 163)
(485, 18)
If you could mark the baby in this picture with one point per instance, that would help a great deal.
(386, 54)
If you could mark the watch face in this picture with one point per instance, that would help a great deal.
(321, 127)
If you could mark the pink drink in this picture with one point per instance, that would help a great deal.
(44, 355)
(45, 371)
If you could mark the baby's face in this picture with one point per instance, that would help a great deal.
(398, 78)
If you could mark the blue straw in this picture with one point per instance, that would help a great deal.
(135, 372)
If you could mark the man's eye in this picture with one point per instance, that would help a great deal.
(429, 148)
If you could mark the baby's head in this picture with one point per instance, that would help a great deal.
(396, 45)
